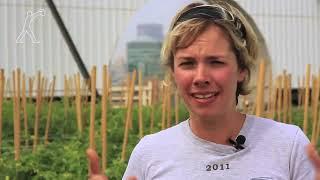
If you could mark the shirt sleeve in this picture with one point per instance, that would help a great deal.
(300, 167)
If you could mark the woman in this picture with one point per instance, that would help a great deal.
(210, 51)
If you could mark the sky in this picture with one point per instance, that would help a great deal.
(154, 11)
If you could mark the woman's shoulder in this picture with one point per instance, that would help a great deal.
(274, 128)
(282, 138)
(271, 123)
(164, 137)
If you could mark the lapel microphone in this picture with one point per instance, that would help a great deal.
(238, 144)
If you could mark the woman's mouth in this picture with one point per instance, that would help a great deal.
(204, 95)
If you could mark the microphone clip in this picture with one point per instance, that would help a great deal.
(238, 144)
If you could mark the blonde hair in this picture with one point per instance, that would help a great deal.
(182, 34)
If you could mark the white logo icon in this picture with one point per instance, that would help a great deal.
(26, 29)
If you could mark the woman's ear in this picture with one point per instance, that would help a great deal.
(242, 75)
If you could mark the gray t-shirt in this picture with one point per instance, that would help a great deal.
(272, 151)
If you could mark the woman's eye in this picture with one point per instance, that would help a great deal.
(187, 63)
(216, 62)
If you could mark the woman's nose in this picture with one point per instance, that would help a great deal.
(201, 78)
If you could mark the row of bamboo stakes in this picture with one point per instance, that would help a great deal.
(278, 105)
(41, 81)
(18, 104)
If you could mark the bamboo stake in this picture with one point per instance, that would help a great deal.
(303, 90)
(260, 90)
(153, 102)
(312, 93)
(276, 113)
(152, 118)
(152, 92)
(14, 100)
(318, 125)
(285, 97)
(42, 93)
(169, 106)
(140, 105)
(128, 117)
(3, 85)
(49, 111)
(290, 99)
(78, 103)
(65, 94)
(279, 97)
(127, 91)
(2, 80)
(68, 94)
(86, 91)
(74, 90)
(161, 91)
(109, 90)
(25, 113)
(164, 107)
(299, 93)
(18, 111)
(83, 97)
(37, 114)
(92, 81)
(318, 130)
(93, 106)
(129, 83)
(176, 108)
(105, 77)
(270, 101)
(16, 87)
(306, 100)
(270, 88)
(315, 102)
(155, 86)
(273, 102)
(85, 102)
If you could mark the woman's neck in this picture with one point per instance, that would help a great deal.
(218, 129)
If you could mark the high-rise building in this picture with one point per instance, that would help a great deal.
(144, 53)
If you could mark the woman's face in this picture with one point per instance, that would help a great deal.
(206, 74)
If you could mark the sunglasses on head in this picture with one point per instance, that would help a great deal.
(212, 12)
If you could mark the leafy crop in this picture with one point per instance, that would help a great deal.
(64, 157)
